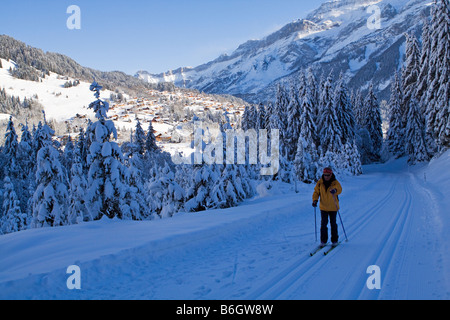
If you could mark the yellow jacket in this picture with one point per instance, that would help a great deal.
(326, 198)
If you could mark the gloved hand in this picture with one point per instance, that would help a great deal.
(314, 204)
(333, 191)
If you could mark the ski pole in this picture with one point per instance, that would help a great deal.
(315, 221)
(340, 218)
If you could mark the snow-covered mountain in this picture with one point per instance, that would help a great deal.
(338, 36)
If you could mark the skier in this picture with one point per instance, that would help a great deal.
(328, 189)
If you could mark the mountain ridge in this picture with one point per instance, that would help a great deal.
(333, 37)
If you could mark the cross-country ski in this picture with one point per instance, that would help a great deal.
(334, 246)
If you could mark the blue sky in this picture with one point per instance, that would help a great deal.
(144, 34)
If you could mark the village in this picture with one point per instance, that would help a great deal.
(171, 113)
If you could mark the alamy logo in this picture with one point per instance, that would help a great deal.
(74, 21)
(74, 280)
(212, 152)
(374, 280)
(374, 21)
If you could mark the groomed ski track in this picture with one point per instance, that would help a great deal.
(260, 250)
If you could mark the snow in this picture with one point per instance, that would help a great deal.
(59, 103)
(396, 217)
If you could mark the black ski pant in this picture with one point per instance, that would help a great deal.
(324, 227)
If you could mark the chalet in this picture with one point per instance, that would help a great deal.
(163, 137)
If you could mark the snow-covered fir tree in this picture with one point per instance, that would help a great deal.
(50, 198)
(344, 110)
(13, 219)
(313, 86)
(442, 124)
(437, 111)
(373, 123)
(416, 148)
(330, 132)
(232, 187)
(67, 157)
(410, 72)
(199, 195)
(261, 121)
(350, 159)
(133, 205)
(77, 211)
(307, 157)
(396, 133)
(165, 195)
(106, 189)
(358, 108)
(424, 61)
(279, 116)
(293, 117)
(306, 162)
(10, 151)
(269, 112)
(139, 139)
(150, 140)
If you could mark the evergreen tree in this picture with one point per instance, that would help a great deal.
(358, 109)
(165, 195)
(396, 133)
(253, 117)
(133, 205)
(77, 211)
(410, 72)
(68, 156)
(50, 197)
(415, 135)
(349, 159)
(442, 123)
(26, 154)
(306, 160)
(373, 122)
(27, 159)
(150, 140)
(279, 117)
(344, 111)
(312, 85)
(293, 118)
(139, 139)
(106, 190)
(10, 151)
(83, 147)
(199, 196)
(330, 131)
(13, 219)
(269, 112)
(261, 124)
(245, 121)
(424, 61)
(437, 91)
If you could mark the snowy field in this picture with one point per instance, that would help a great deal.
(396, 218)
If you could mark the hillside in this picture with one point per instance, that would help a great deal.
(170, 110)
(27, 57)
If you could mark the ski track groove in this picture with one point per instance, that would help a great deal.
(388, 247)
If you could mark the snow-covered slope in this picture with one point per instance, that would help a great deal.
(59, 103)
(335, 36)
(396, 218)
